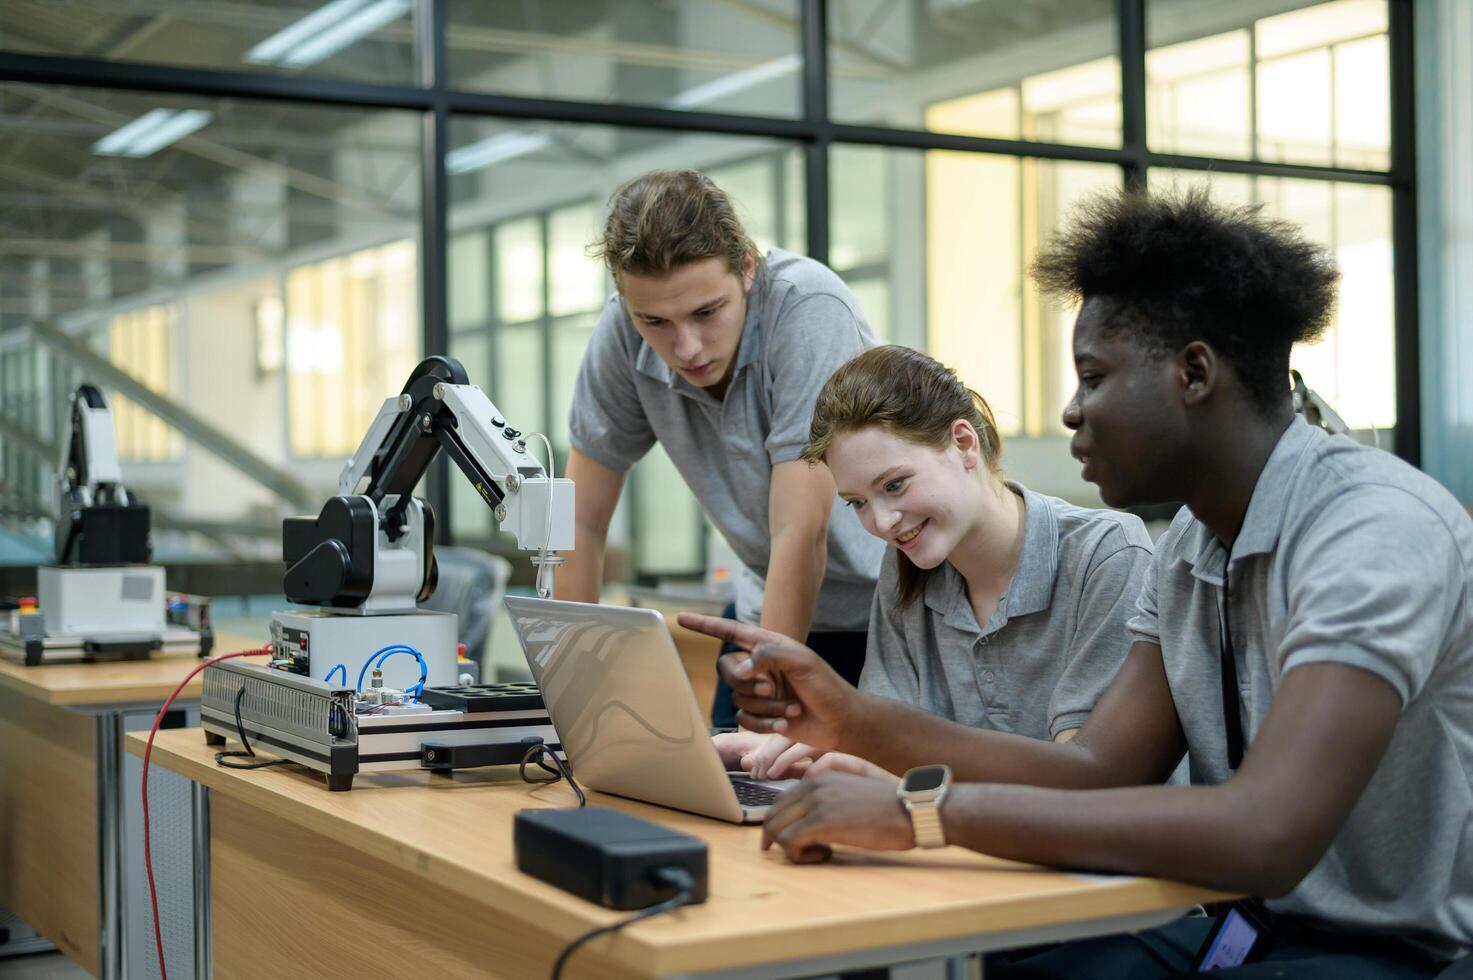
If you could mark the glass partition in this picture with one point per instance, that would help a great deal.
(1282, 82)
(708, 55)
(254, 253)
(257, 269)
(529, 199)
(1045, 72)
(361, 40)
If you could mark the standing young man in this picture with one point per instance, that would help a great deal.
(1305, 634)
(718, 353)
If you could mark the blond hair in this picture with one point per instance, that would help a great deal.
(668, 218)
(909, 395)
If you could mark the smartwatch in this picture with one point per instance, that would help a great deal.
(921, 790)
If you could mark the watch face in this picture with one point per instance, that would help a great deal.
(924, 778)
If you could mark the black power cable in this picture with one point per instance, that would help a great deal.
(250, 753)
(561, 772)
(677, 878)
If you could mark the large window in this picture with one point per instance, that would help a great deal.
(1044, 72)
(709, 55)
(141, 342)
(524, 295)
(245, 221)
(366, 40)
(351, 339)
(1305, 86)
(523, 303)
(252, 262)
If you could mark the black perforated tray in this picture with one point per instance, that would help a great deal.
(522, 696)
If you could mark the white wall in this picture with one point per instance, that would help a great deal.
(216, 350)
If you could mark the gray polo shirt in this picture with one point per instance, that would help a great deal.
(1347, 555)
(802, 324)
(1048, 651)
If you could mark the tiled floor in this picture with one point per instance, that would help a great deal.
(41, 966)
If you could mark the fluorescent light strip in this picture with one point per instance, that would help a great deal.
(114, 143)
(495, 149)
(509, 146)
(275, 47)
(735, 82)
(185, 121)
(359, 25)
(326, 31)
(151, 132)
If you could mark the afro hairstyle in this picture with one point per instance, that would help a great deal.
(1177, 267)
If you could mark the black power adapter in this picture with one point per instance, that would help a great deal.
(609, 857)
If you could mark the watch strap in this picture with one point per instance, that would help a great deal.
(925, 821)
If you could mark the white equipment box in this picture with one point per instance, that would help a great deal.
(97, 602)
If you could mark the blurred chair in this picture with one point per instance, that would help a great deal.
(471, 585)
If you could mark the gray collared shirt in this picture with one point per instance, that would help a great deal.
(1047, 652)
(1346, 555)
(802, 324)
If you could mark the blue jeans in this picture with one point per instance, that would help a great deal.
(842, 651)
(1293, 954)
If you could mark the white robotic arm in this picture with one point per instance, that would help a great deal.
(97, 524)
(493, 456)
(371, 548)
(89, 470)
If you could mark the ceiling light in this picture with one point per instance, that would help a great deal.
(735, 82)
(151, 132)
(508, 146)
(495, 149)
(325, 32)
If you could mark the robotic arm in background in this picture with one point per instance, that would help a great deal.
(98, 523)
(370, 550)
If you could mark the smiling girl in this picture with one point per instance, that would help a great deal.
(997, 607)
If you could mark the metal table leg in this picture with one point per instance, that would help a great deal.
(204, 965)
(960, 967)
(109, 726)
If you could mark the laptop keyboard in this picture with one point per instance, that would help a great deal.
(754, 794)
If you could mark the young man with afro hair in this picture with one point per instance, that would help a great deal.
(1304, 636)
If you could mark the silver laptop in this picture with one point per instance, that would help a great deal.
(624, 710)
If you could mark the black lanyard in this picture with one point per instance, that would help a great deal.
(1232, 709)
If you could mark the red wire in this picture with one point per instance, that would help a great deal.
(153, 898)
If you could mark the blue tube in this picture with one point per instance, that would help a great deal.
(335, 669)
(384, 654)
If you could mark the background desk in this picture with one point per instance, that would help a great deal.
(63, 824)
(411, 874)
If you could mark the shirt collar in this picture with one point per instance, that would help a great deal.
(1032, 587)
(749, 348)
(1264, 520)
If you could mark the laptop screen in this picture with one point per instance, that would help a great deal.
(621, 703)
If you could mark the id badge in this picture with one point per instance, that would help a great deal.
(1239, 935)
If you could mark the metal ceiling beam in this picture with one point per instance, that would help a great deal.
(127, 251)
(225, 156)
(76, 194)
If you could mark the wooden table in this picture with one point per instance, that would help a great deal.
(62, 858)
(413, 875)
